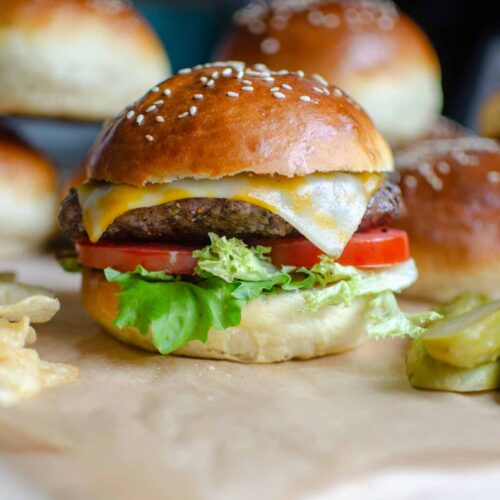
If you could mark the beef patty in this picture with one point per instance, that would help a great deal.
(190, 220)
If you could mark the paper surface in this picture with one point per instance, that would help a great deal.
(138, 425)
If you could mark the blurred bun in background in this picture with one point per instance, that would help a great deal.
(28, 196)
(451, 189)
(489, 116)
(79, 59)
(368, 48)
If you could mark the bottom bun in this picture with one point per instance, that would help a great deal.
(272, 328)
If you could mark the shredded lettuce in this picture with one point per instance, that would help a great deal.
(229, 274)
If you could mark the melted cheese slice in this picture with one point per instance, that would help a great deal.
(326, 208)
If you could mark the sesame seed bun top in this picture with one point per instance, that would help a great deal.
(451, 189)
(366, 47)
(82, 59)
(223, 118)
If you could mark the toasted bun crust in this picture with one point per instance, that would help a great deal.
(489, 116)
(270, 330)
(202, 124)
(83, 59)
(452, 192)
(28, 196)
(377, 54)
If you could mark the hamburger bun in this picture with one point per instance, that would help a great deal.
(28, 196)
(489, 116)
(271, 329)
(82, 59)
(451, 189)
(369, 48)
(191, 126)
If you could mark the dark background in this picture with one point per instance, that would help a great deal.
(466, 34)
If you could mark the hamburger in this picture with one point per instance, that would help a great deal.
(58, 57)
(451, 189)
(239, 213)
(28, 196)
(367, 47)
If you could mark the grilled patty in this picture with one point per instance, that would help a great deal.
(190, 220)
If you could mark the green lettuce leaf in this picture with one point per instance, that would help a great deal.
(175, 311)
(386, 320)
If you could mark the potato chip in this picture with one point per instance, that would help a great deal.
(19, 300)
(15, 335)
(22, 372)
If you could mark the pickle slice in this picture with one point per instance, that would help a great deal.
(466, 340)
(462, 304)
(425, 372)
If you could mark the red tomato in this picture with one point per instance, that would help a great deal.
(373, 248)
(175, 259)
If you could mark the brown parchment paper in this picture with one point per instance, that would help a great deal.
(138, 425)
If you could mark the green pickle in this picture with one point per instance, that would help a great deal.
(462, 304)
(425, 372)
(466, 340)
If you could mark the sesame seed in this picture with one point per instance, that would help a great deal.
(493, 177)
(331, 21)
(286, 86)
(232, 94)
(279, 95)
(443, 167)
(203, 79)
(320, 79)
(260, 67)
(151, 108)
(257, 27)
(198, 66)
(183, 115)
(155, 89)
(315, 17)
(318, 90)
(130, 114)
(150, 138)
(139, 119)
(240, 74)
(269, 79)
(246, 82)
(215, 75)
(411, 182)
(160, 119)
(275, 89)
(185, 71)
(247, 88)
(159, 103)
(305, 98)
(168, 92)
(193, 110)
(283, 72)
(326, 91)
(337, 93)
(227, 72)
(198, 96)
(210, 83)
(270, 46)
(300, 74)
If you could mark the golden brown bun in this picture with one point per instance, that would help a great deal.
(489, 116)
(452, 192)
(229, 130)
(368, 48)
(28, 196)
(270, 330)
(83, 59)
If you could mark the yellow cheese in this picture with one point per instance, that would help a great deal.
(326, 208)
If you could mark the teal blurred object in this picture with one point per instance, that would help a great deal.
(188, 32)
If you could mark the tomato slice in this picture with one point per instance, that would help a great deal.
(373, 248)
(175, 259)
